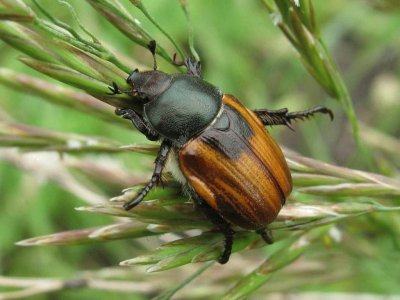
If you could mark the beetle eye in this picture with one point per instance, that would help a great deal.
(131, 76)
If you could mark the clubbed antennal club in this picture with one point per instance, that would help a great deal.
(152, 45)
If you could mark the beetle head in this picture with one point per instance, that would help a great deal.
(148, 85)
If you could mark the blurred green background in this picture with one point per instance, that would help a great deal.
(245, 55)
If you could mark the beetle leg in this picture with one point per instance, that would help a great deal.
(284, 117)
(266, 235)
(156, 178)
(193, 66)
(138, 122)
(219, 222)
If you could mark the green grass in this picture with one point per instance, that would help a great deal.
(348, 240)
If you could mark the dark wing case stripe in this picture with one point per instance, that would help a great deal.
(228, 167)
(265, 146)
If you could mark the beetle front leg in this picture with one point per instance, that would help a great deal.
(193, 66)
(138, 122)
(219, 222)
(284, 117)
(161, 159)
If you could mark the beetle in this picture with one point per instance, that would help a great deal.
(220, 151)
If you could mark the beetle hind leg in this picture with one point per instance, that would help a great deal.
(284, 117)
(218, 221)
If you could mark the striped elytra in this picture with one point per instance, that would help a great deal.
(237, 168)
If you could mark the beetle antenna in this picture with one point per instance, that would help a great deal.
(152, 47)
